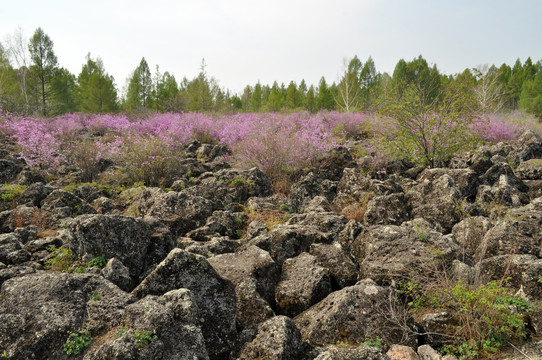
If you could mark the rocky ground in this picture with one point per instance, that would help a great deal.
(219, 268)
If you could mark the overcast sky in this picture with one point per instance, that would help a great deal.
(244, 41)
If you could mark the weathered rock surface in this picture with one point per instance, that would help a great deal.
(337, 317)
(304, 282)
(389, 252)
(109, 236)
(38, 311)
(214, 296)
(353, 353)
(343, 270)
(255, 276)
(277, 338)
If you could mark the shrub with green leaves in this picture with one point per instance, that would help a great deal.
(485, 317)
(8, 193)
(62, 259)
(425, 133)
(77, 342)
(98, 262)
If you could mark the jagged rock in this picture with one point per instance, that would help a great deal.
(214, 296)
(43, 243)
(61, 204)
(18, 257)
(216, 246)
(255, 276)
(304, 282)
(277, 338)
(117, 273)
(390, 209)
(38, 310)
(28, 177)
(469, 234)
(22, 216)
(529, 170)
(343, 271)
(389, 252)
(480, 162)
(173, 318)
(180, 211)
(327, 222)
(317, 204)
(125, 238)
(355, 187)
(338, 317)
(8, 171)
(103, 205)
(256, 228)
(462, 272)
(535, 188)
(27, 233)
(524, 271)
(497, 171)
(426, 352)
(437, 325)
(87, 193)
(34, 194)
(528, 146)
(7, 273)
(517, 232)
(350, 232)
(466, 180)
(401, 352)
(223, 223)
(287, 241)
(8, 244)
(308, 187)
(352, 353)
(436, 201)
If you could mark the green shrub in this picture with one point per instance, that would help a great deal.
(98, 262)
(62, 259)
(485, 317)
(8, 193)
(144, 337)
(77, 342)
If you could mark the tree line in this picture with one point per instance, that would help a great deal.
(33, 82)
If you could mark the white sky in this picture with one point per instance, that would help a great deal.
(244, 41)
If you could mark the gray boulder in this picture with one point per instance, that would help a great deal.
(109, 236)
(214, 296)
(255, 276)
(338, 317)
(304, 282)
(352, 353)
(38, 311)
(390, 209)
(343, 270)
(389, 252)
(277, 338)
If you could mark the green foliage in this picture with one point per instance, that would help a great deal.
(123, 330)
(62, 259)
(144, 337)
(531, 96)
(4, 355)
(425, 134)
(486, 317)
(96, 91)
(8, 193)
(77, 342)
(98, 262)
(376, 342)
(284, 207)
(95, 295)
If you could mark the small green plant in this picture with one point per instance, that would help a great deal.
(238, 222)
(239, 233)
(62, 259)
(376, 342)
(144, 337)
(123, 330)
(98, 262)
(284, 207)
(487, 317)
(77, 342)
(239, 181)
(8, 193)
(79, 270)
(4, 355)
(95, 295)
